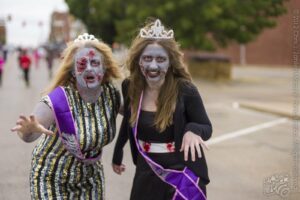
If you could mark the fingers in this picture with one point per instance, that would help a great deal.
(118, 169)
(30, 125)
(182, 146)
(26, 119)
(43, 130)
(192, 142)
(48, 132)
(186, 152)
(122, 168)
(203, 144)
(32, 118)
(185, 148)
(193, 151)
(20, 122)
(23, 121)
(23, 117)
(198, 151)
(16, 128)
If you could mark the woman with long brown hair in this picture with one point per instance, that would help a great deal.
(75, 119)
(164, 119)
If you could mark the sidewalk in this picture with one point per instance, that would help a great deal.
(262, 89)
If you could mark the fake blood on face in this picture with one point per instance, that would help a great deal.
(91, 54)
(81, 65)
(99, 77)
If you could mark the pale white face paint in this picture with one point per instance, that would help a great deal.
(89, 69)
(154, 63)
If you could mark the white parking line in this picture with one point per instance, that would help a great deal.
(246, 131)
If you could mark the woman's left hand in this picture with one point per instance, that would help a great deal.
(192, 141)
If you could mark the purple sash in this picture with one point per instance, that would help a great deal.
(66, 124)
(184, 182)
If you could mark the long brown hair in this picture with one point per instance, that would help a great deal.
(177, 73)
(64, 75)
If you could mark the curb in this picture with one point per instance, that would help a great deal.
(263, 109)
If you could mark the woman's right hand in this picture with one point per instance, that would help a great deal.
(118, 168)
(28, 125)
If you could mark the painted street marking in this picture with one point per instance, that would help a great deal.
(246, 131)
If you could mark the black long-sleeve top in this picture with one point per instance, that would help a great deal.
(189, 115)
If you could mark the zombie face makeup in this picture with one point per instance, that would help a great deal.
(154, 63)
(89, 69)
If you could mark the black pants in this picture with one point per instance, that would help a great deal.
(26, 76)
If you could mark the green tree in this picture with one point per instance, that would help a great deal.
(198, 24)
(98, 15)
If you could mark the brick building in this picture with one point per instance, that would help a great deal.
(65, 27)
(273, 47)
(60, 27)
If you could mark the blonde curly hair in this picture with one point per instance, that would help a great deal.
(64, 75)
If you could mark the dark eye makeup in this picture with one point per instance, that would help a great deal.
(158, 59)
(95, 63)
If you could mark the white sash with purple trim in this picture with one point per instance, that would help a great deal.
(185, 182)
(66, 124)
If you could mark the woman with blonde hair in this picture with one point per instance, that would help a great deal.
(75, 120)
(164, 119)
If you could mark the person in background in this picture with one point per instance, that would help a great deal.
(49, 60)
(2, 62)
(5, 52)
(37, 57)
(25, 63)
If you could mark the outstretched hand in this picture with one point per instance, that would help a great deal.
(192, 142)
(28, 125)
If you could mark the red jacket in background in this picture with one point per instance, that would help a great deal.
(25, 62)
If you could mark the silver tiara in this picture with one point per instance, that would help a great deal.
(156, 31)
(85, 37)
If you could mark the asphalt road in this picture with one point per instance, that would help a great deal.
(252, 154)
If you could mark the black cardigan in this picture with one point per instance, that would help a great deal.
(189, 115)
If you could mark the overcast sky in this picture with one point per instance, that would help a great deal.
(31, 12)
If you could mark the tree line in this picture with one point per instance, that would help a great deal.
(198, 24)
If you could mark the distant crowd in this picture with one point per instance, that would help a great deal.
(27, 58)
